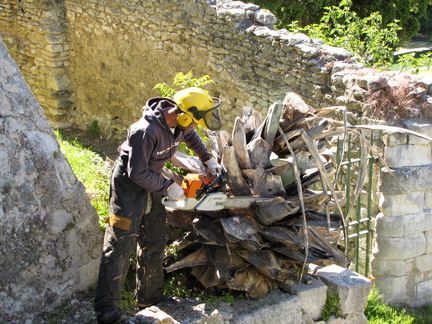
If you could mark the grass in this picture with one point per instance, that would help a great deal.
(90, 168)
(378, 312)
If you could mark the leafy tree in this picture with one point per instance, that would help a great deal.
(368, 38)
(413, 15)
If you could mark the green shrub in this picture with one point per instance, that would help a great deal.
(182, 81)
(370, 41)
(94, 129)
(409, 62)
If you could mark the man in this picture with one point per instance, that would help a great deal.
(150, 143)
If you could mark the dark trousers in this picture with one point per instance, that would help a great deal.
(129, 229)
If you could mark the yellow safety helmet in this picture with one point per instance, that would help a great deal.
(199, 107)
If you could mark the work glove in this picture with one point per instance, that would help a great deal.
(175, 192)
(214, 168)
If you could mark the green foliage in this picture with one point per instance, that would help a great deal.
(331, 307)
(92, 171)
(409, 62)
(409, 13)
(182, 81)
(94, 129)
(414, 15)
(378, 312)
(305, 12)
(371, 41)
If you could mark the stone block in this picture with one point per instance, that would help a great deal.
(312, 297)
(424, 262)
(424, 290)
(276, 307)
(400, 248)
(406, 179)
(153, 315)
(351, 287)
(428, 200)
(393, 289)
(401, 204)
(428, 235)
(359, 318)
(392, 268)
(394, 139)
(408, 155)
(398, 226)
(419, 127)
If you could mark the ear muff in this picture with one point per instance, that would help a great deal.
(184, 120)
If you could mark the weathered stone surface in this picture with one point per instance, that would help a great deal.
(351, 288)
(419, 127)
(398, 226)
(50, 240)
(424, 290)
(402, 204)
(394, 289)
(408, 155)
(312, 297)
(406, 180)
(392, 268)
(152, 315)
(401, 248)
(349, 319)
(428, 235)
(394, 139)
(276, 307)
(424, 263)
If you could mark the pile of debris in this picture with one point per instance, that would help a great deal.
(286, 163)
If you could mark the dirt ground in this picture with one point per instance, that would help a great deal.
(97, 143)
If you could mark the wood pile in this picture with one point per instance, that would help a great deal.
(288, 157)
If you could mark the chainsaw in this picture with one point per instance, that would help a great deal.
(204, 193)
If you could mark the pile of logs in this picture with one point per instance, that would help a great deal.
(286, 157)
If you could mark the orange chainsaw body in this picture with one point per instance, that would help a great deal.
(193, 183)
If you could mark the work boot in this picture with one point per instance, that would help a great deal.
(114, 316)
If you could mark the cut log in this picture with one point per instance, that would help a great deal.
(240, 145)
(190, 163)
(251, 119)
(263, 183)
(259, 152)
(272, 123)
(270, 212)
(235, 179)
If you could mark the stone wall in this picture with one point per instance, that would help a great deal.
(35, 34)
(118, 50)
(50, 241)
(403, 254)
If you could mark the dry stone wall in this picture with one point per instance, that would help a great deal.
(115, 52)
(50, 241)
(35, 34)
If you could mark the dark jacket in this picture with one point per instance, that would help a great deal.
(150, 143)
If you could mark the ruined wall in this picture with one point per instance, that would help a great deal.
(403, 253)
(118, 50)
(50, 241)
(35, 34)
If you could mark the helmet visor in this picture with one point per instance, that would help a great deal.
(212, 117)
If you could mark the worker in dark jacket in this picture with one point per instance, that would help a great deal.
(135, 219)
